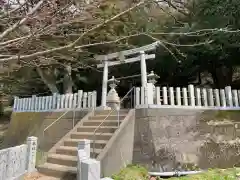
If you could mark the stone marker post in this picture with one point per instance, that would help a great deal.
(31, 154)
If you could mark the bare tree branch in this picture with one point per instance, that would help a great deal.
(12, 11)
(71, 45)
(13, 27)
(171, 4)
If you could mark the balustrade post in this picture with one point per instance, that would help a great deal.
(191, 94)
(178, 96)
(210, 97)
(198, 94)
(165, 96)
(229, 99)
(171, 95)
(205, 99)
(223, 98)
(217, 98)
(185, 97)
(158, 98)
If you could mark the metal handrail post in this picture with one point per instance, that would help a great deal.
(134, 97)
(94, 141)
(74, 115)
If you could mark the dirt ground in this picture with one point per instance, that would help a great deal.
(33, 176)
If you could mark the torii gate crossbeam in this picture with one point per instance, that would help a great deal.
(119, 58)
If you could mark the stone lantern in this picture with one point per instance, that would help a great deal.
(152, 78)
(113, 100)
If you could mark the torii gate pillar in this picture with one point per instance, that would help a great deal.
(104, 83)
(143, 69)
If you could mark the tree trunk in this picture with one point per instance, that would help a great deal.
(222, 76)
(67, 80)
(48, 80)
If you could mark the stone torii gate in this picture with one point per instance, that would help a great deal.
(118, 58)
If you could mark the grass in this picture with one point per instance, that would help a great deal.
(214, 174)
(135, 172)
(40, 157)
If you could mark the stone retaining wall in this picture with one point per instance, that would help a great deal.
(169, 139)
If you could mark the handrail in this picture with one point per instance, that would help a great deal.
(56, 120)
(62, 116)
(94, 133)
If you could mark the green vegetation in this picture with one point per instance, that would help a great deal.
(135, 172)
(132, 172)
(40, 157)
(214, 174)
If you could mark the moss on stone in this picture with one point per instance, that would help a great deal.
(227, 114)
(220, 115)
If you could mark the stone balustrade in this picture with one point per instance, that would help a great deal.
(80, 100)
(188, 97)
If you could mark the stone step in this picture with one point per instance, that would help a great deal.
(74, 142)
(91, 135)
(105, 117)
(48, 178)
(58, 171)
(106, 112)
(107, 129)
(62, 159)
(72, 151)
(63, 162)
(98, 122)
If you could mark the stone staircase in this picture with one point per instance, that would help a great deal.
(62, 158)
